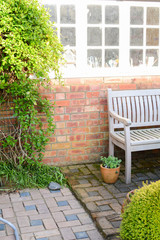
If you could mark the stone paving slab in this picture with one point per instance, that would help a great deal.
(104, 201)
(40, 214)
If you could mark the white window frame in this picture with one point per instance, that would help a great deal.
(124, 69)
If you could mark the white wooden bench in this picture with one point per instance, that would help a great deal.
(129, 110)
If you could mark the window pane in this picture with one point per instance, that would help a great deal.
(70, 57)
(112, 36)
(68, 36)
(136, 16)
(67, 14)
(112, 15)
(52, 11)
(136, 36)
(94, 14)
(111, 58)
(94, 36)
(152, 16)
(136, 57)
(94, 57)
(152, 57)
(152, 37)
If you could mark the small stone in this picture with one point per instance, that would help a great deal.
(54, 186)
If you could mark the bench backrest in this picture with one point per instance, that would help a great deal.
(141, 106)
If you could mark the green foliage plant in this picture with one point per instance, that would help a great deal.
(29, 49)
(141, 217)
(110, 162)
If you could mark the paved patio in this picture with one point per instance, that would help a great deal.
(92, 207)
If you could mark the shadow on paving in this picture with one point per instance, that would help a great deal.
(104, 201)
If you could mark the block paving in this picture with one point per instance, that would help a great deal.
(104, 201)
(40, 214)
(89, 210)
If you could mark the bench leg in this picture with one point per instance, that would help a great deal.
(111, 147)
(128, 166)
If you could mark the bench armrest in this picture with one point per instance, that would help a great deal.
(125, 121)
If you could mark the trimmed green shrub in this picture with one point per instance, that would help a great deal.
(141, 217)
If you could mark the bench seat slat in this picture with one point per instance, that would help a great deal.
(141, 136)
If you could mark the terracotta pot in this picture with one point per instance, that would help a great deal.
(110, 175)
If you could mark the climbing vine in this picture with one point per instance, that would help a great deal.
(29, 49)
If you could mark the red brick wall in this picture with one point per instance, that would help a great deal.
(81, 119)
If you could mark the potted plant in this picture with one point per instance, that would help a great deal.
(110, 169)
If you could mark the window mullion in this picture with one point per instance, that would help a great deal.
(81, 35)
(124, 33)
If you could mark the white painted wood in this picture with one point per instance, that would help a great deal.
(143, 107)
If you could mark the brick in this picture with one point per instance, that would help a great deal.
(92, 94)
(50, 153)
(60, 124)
(78, 102)
(75, 95)
(80, 144)
(77, 109)
(76, 151)
(62, 103)
(31, 229)
(95, 101)
(47, 233)
(94, 136)
(62, 131)
(58, 217)
(127, 86)
(58, 146)
(61, 118)
(80, 130)
(76, 138)
(59, 110)
(71, 124)
(80, 88)
(37, 222)
(61, 153)
(60, 88)
(23, 221)
(49, 96)
(84, 218)
(8, 213)
(94, 235)
(68, 224)
(82, 228)
(67, 233)
(49, 223)
(94, 108)
(60, 96)
(61, 138)
(104, 223)
(94, 115)
(80, 116)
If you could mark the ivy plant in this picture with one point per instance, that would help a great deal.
(29, 49)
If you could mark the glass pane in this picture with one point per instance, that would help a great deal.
(94, 36)
(112, 36)
(67, 14)
(111, 15)
(94, 14)
(136, 57)
(152, 37)
(52, 11)
(136, 16)
(94, 57)
(111, 58)
(136, 36)
(152, 16)
(70, 57)
(152, 57)
(68, 36)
